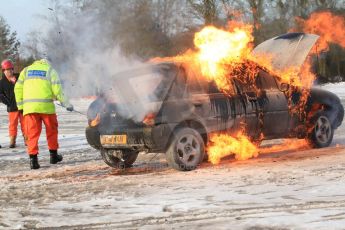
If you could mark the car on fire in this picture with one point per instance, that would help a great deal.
(164, 108)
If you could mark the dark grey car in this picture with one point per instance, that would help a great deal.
(177, 112)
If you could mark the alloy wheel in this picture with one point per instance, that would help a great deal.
(323, 130)
(188, 148)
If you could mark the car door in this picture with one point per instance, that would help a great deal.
(274, 105)
(222, 116)
(247, 95)
(219, 110)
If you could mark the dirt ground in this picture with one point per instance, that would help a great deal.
(293, 189)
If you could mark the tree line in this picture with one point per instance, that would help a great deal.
(144, 29)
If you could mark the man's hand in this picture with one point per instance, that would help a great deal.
(4, 99)
(69, 108)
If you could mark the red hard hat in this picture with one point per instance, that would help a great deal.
(6, 64)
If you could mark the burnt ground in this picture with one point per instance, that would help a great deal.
(299, 188)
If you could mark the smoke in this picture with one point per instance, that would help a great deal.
(84, 52)
(83, 49)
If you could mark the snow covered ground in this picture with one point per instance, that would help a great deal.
(293, 189)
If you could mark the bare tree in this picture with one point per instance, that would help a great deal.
(9, 43)
(205, 10)
(257, 11)
(326, 4)
(172, 16)
(31, 45)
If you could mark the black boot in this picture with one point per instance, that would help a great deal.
(54, 157)
(34, 162)
(13, 141)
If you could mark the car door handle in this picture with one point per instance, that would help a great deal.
(253, 99)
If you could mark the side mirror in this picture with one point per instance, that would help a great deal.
(284, 87)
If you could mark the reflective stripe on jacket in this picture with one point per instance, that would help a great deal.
(37, 87)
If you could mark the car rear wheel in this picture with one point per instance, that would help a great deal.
(321, 134)
(110, 159)
(186, 150)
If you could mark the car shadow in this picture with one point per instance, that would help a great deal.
(141, 168)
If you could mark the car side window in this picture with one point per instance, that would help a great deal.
(265, 81)
(196, 84)
(179, 86)
(181, 77)
(213, 88)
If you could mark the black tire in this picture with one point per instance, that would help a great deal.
(129, 158)
(256, 142)
(205, 157)
(186, 150)
(321, 131)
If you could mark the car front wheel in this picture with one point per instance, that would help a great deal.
(186, 150)
(321, 134)
(128, 157)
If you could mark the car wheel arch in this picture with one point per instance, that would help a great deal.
(321, 107)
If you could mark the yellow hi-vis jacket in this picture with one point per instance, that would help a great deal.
(37, 87)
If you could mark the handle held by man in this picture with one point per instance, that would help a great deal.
(70, 108)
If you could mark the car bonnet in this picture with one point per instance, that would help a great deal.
(288, 50)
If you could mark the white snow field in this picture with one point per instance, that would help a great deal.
(299, 188)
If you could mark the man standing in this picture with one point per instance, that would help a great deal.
(7, 97)
(36, 89)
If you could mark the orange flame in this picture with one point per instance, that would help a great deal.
(288, 144)
(217, 52)
(220, 55)
(329, 26)
(222, 145)
(217, 47)
(95, 121)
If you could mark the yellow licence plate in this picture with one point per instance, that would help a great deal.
(113, 139)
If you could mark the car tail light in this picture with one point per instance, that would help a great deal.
(95, 121)
(149, 119)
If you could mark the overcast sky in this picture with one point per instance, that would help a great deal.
(21, 15)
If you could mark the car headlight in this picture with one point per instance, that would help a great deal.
(94, 112)
(149, 119)
(95, 122)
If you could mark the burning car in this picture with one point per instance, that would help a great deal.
(163, 107)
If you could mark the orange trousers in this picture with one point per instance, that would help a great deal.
(33, 128)
(13, 118)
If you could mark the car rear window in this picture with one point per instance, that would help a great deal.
(148, 87)
(146, 84)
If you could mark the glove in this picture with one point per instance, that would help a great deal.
(69, 108)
